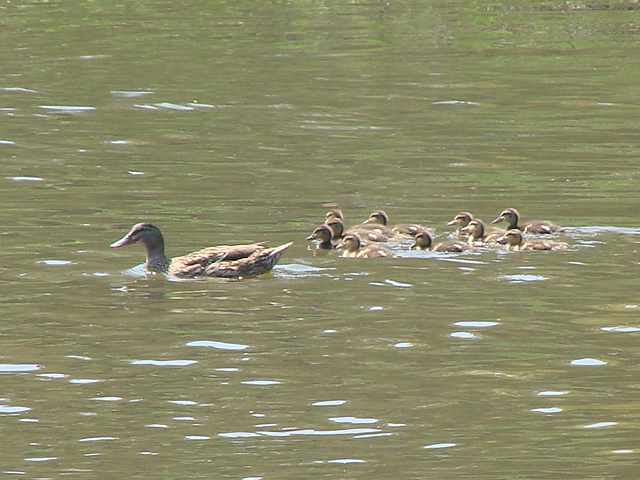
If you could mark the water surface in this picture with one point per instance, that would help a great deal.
(231, 122)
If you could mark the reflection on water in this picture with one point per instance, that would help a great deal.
(237, 122)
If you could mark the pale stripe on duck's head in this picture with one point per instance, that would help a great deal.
(141, 232)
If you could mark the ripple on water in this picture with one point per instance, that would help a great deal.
(600, 425)
(218, 345)
(308, 431)
(588, 362)
(437, 446)
(164, 363)
(353, 420)
(7, 409)
(329, 403)
(522, 278)
(18, 367)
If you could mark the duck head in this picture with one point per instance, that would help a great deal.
(461, 220)
(475, 230)
(510, 216)
(512, 239)
(336, 226)
(379, 217)
(422, 241)
(350, 243)
(147, 234)
(334, 214)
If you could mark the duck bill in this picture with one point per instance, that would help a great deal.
(310, 237)
(452, 222)
(497, 220)
(501, 240)
(126, 240)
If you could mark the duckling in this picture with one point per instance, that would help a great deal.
(366, 232)
(511, 216)
(353, 248)
(461, 220)
(424, 241)
(334, 214)
(379, 217)
(337, 228)
(477, 232)
(238, 261)
(514, 240)
(324, 236)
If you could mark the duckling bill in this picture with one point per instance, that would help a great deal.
(237, 261)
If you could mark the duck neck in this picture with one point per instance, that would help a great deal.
(157, 261)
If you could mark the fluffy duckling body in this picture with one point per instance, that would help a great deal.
(353, 248)
(512, 217)
(424, 241)
(238, 261)
(366, 232)
(477, 232)
(379, 217)
(514, 239)
(323, 236)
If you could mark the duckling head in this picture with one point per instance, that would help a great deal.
(334, 214)
(422, 241)
(336, 226)
(379, 217)
(461, 220)
(509, 215)
(350, 243)
(475, 229)
(512, 238)
(321, 233)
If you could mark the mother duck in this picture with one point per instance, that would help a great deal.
(238, 261)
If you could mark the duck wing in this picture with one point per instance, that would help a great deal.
(259, 262)
(196, 263)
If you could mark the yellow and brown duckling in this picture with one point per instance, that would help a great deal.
(460, 221)
(477, 232)
(237, 261)
(335, 213)
(323, 236)
(352, 247)
(514, 239)
(403, 230)
(424, 241)
(512, 217)
(366, 232)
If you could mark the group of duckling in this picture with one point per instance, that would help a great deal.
(370, 238)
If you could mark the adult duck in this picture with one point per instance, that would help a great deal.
(477, 232)
(424, 241)
(512, 217)
(352, 248)
(238, 261)
(514, 239)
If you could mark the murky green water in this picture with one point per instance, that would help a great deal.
(243, 121)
